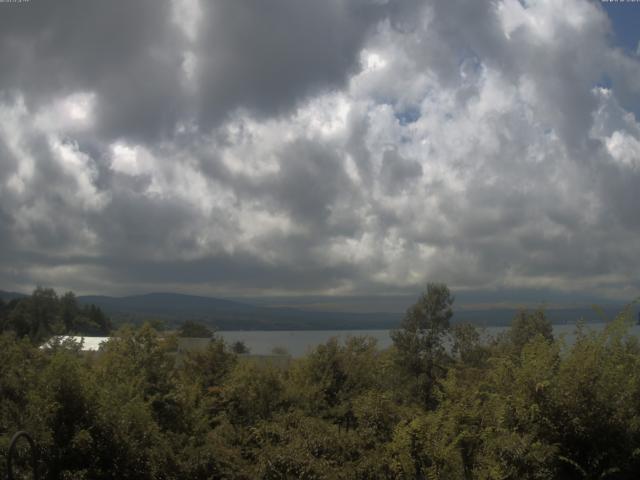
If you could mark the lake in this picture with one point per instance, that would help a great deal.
(300, 342)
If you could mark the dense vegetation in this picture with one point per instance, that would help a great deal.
(44, 314)
(441, 403)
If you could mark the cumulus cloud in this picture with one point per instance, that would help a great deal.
(361, 146)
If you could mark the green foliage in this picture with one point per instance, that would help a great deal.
(467, 346)
(420, 350)
(239, 347)
(525, 406)
(327, 381)
(44, 314)
(20, 367)
(252, 393)
(194, 330)
(525, 327)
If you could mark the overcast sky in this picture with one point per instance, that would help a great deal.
(234, 147)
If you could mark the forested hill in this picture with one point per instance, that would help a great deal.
(173, 309)
(8, 296)
(222, 314)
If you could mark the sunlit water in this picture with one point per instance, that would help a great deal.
(299, 343)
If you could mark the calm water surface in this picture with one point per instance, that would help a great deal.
(301, 342)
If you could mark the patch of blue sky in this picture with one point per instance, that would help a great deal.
(469, 63)
(605, 82)
(408, 115)
(625, 21)
(625, 18)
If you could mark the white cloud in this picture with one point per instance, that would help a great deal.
(468, 143)
(130, 160)
(81, 168)
(625, 150)
(71, 113)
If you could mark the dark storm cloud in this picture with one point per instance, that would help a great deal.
(310, 183)
(240, 273)
(250, 54)
(266, 56)
(49, 198)
(135, 226)
(126, 52)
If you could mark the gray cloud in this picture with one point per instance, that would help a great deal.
(317, 147)
(128, 53)
(268, 56)
(397, 172)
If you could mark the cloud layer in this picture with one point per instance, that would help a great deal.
(361, 146)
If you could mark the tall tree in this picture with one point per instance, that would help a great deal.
(191, 329)
(419, 344)
(240, 347)
(68, 311)
(45, 316)
(526, 326)
(98, 320)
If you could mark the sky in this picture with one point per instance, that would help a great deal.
(335, 147)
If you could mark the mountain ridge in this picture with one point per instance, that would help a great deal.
(224, 314)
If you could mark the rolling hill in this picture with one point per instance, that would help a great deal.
(224, 314)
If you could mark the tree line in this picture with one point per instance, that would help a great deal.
(443, 402)
(44, 314)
